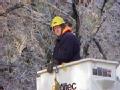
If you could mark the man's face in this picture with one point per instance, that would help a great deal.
(57, 30)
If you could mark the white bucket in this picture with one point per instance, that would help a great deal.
(85, 74)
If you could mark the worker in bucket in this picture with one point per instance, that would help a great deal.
(67, 46)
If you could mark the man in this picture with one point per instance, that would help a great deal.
(67, 47)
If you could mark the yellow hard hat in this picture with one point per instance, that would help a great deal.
(57, 20)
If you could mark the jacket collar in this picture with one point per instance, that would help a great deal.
(66, 29)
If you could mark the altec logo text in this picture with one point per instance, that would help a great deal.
(65, 86)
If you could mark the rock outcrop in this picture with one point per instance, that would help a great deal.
(99, 29)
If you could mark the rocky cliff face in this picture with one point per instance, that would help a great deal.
(20, 47)
(100, 22)
(26, 41)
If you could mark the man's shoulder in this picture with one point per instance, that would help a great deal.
(69, 35)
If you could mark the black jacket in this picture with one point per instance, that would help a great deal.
(67, 48)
